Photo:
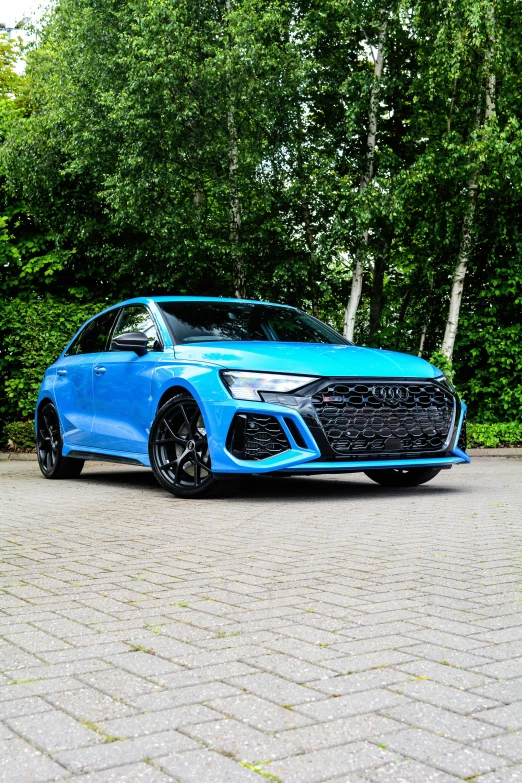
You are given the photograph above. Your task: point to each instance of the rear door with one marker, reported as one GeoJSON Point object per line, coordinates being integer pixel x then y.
{"type": "Point", "coordinates": [122, 387]}
{"type": "Point", "coordinates": [73, 387]}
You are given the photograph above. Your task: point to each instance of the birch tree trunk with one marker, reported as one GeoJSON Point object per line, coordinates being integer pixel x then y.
{"type": "Point", "coordinates": [313, 271]}
{"type": "Point", "coordinates": [366, 177]}
{"type": "Point", "coordinates": [238, 269]}
{"type": "Point", "coordinates": [376, 300]}
{"type": "Point", "coordinates": [423, 338]}
{"type": "Point", "coordinates": [459, 274]}
{"type": "Point", "coordinates": [466, 242]}
{"type": "Point", "coordinates": [424, 330]}
{"type": "Point", "coordinates": [313, 268]}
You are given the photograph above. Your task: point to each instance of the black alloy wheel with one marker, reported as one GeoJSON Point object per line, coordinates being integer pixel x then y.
{"type": "Point", "coordinates": [402, 477]}
{"type": "Point", "coordinates": [178, 450]}
{"type": "Point", "coordinates": [49, 447]}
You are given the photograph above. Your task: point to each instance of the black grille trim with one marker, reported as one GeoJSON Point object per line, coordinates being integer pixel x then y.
{"type": "Point", "coordinates": [384, 418]}
{"type": "Point", "coordinates": [254, 436]}
{"type": "Point", "coordinates": [463, 437]}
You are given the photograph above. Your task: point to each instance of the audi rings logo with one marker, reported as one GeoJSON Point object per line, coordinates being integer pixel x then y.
{"type": "Point", "coordinates": [391, 393]}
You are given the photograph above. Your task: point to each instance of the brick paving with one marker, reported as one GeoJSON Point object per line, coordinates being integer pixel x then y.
{"type": "Point", "coordinates": [306, 630]}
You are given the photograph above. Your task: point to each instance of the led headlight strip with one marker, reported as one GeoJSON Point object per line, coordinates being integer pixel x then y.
{"type": "Point", "coordinates": [247, 385]}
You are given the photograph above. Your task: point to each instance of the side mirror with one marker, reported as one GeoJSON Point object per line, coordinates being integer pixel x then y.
{"type": "Point", "coordinates": [131, 341]}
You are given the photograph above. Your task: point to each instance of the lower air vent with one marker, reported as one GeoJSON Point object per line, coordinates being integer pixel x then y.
{"type": "Point", "coordinates": [253, 436]}
{"type": "Point", "coordinates": [463, 440]}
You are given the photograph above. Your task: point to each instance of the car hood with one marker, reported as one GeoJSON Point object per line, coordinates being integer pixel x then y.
{"type": "Point", "coordinates": [307, 359]}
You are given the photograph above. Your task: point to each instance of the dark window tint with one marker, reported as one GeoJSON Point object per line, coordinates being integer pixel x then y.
{"type": "Point", "coordinates": [136, 318]}
{"type": "Point", "coordinates": [93, 339]}
{"type": "Point", "coordinates": [195, 322]}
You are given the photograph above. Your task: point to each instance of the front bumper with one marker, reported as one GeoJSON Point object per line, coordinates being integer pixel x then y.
{"type": "Point", "coordinates": [308, 456]}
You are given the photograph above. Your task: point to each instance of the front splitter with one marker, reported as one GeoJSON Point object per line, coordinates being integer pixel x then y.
{"type": "Point", "coordinates": [355, 467]}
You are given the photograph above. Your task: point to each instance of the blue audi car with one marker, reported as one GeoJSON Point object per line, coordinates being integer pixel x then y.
{"type": "Point", "coordinates": [205, 390]}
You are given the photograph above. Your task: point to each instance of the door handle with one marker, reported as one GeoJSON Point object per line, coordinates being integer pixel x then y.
{"type": "Point", "coordinates": [61, 372]}
{"type": "Point", "coordinates": [99, 370]}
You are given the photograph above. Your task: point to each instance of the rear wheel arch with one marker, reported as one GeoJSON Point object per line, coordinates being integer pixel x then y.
{"type": "Point", "coordinates": [49, 443]}
{"type": "Point", "coordinates": [44, 401]}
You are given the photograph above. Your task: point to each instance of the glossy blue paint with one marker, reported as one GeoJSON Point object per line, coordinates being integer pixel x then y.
{"type": "Point", "coordinates": [318, 359]}
{"type": "Point", "coordinates": [107, 401]}
{"type": "Point", "coordinates": [73, 392]}
{"type": "Point", "coordinates": [122, 400]}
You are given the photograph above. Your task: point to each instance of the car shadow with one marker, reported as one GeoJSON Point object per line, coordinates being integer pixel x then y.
{"type": "Point", "coordinates": [349, 486]}
{"type": "Point", "coordinates": [270, 488]}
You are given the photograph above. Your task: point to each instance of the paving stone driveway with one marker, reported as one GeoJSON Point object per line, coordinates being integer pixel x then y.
{"type": "Point", "coordinates": [308, 630]}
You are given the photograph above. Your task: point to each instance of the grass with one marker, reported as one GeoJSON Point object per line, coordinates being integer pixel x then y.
{"type": "Point", "coordinates": [260, 771]}
{"type": "Point", "coordinates": [22, 682]}
{"type": "Point", "coordinates": [106, 737]}
{"type": "Point", "coordinates": [140, 648]}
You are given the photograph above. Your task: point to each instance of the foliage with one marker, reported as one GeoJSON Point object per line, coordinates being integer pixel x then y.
{"type": "Point", "coordinates": [116, 172]}
{"type": "Point", "coordinates": [32, 335]}
{"type": "Point", "coordinates": [493, 435]}
{"type": "Point", "coordinates": [443, 363]}
{"type": "Point", "coordinates": [20, 435]}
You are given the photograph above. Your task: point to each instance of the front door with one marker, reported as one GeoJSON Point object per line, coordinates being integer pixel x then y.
{"type": "Point", "coordinates": [73, 388]}
{"type": "Point", "coordinates": [122, 387]}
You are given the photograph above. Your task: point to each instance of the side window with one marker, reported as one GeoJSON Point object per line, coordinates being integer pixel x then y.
{"type": "Point", "coordinates": [93, 339]}
{"type": "Point", "coordinates": [136, 318]}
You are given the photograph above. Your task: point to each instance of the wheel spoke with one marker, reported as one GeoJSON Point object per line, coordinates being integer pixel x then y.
{"type": "Point", "coordinates": [199, 461]}
{"type": "Point", "coordinates": [176, 438]}
{"type": "Point", "coordinates": [194, 421]}
{"type": "Point", "coordinates": [182, 408]}
{"type": "Point", "coordinates": [168, 465]}
{"type": "Point", "coordinates": [161, 441]}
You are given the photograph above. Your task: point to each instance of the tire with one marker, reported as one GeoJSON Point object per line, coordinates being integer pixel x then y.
{"type": "Point", "coordinates": [402, 477]}
{"type": "Point", "coordinates": [49, 445]}
{"type": "Point", "coordinates": [178, 451]}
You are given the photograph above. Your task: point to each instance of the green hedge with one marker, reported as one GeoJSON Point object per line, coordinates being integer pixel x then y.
{"type": "Point", "coordinates": [33, 333]}
{"type": "Point", "coordinates": [20, 435]}
{"type": "Point", "coordinates": [492, 435]}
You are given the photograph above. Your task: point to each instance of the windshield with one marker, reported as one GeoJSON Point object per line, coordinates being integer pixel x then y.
{"type": "Point", "coordinates": [197, 322]}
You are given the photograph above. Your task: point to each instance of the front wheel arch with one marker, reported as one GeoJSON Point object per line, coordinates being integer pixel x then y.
{"type": "Point", "coordinates": [168, 394]}
{"type": "Point", "coordinates": [177, 423]}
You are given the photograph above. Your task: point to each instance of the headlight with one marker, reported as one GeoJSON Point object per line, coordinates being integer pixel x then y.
{"type": "Point", "coordinates": [247, 385]}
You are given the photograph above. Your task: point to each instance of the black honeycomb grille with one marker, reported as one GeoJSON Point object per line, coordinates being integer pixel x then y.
{"type": "Point", "coordinates": [463, 440]}
{"type": "Point", "coordinates": [384, 417]}
{"type": "Point", "coordinates": [264, 437]}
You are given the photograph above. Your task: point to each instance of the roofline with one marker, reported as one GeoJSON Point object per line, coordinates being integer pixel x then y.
{"type": "Point", "coordinates": [159, 299]}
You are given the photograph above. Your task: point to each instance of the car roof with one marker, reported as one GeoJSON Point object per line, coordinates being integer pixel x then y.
{"type": "Point", "coordinates": [159, 299]}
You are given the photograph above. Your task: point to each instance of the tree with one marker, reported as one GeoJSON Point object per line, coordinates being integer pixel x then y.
{"type": "Point", "coordinates": [365, 179]}
{"type": "Point", "coordinates": [484, 119]}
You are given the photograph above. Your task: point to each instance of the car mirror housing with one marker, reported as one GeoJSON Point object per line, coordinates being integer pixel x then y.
{"type": "Point", "coordinates": [131, 341]}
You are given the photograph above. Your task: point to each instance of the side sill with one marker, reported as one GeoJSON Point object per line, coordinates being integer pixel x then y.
{"type": "Point", "coordinates": [74, 454]}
